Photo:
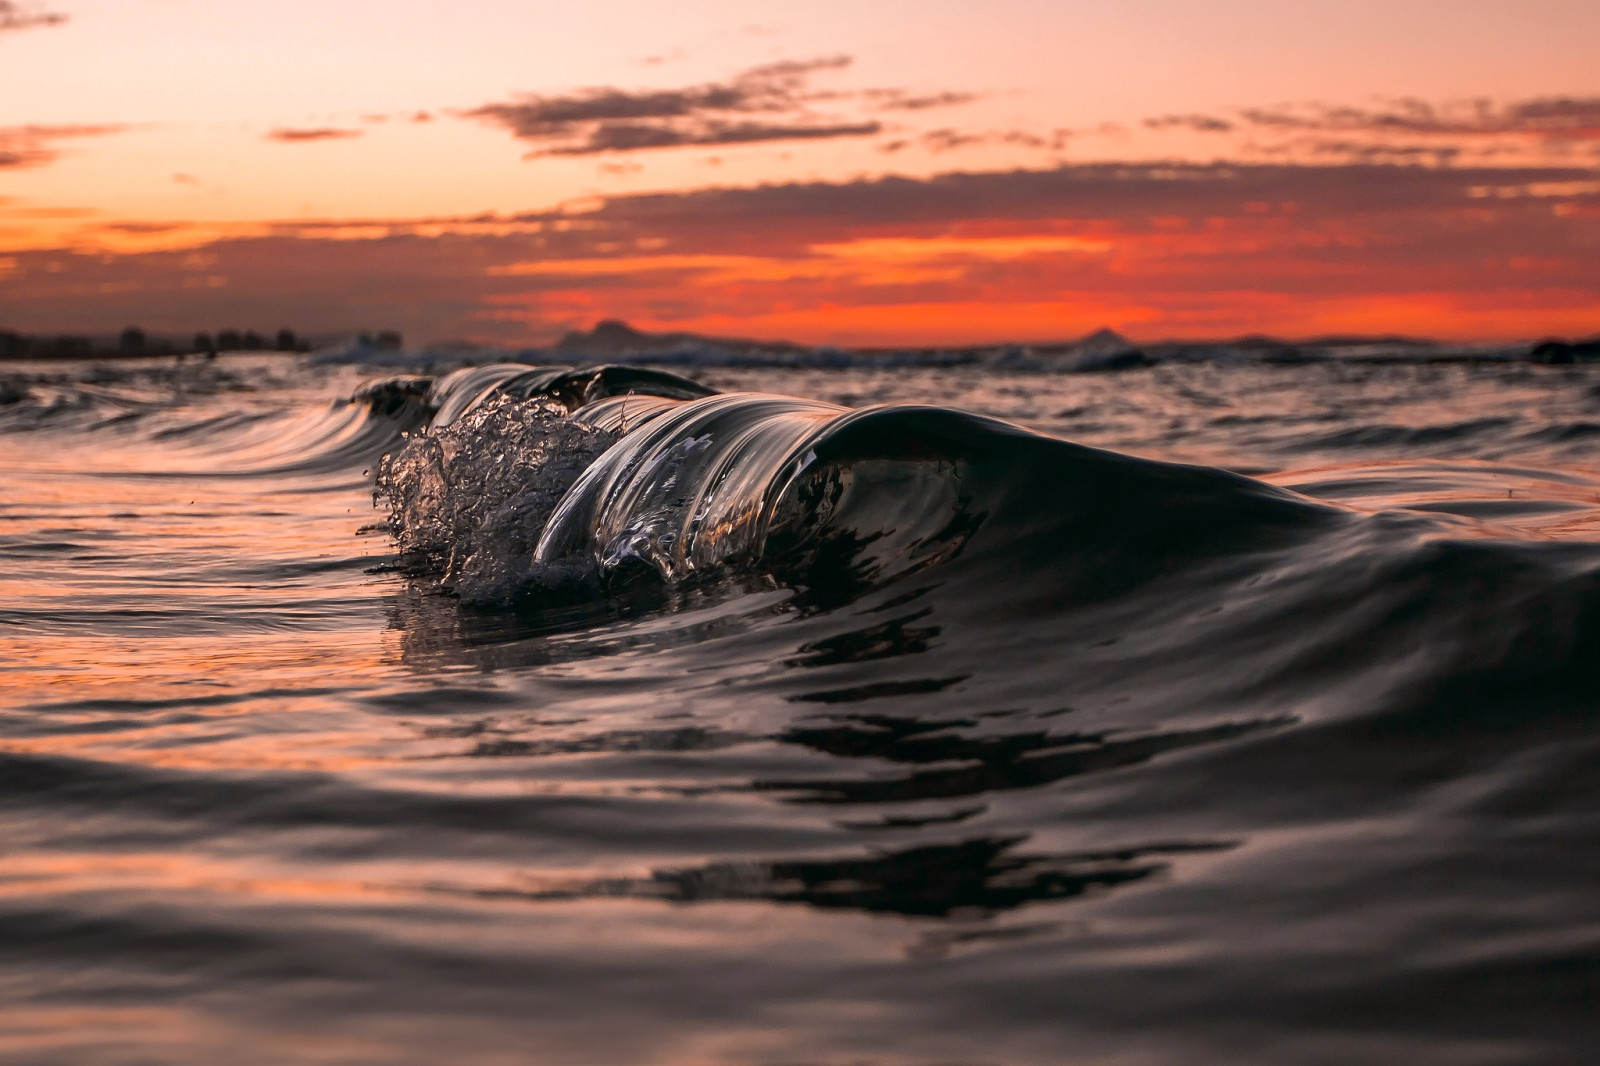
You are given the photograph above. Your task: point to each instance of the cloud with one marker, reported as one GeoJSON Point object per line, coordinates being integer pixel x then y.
{"type": "Point", "coordinates": [632, 137]}
{"type": "Point", "coordinates": [1154, 248]}
{"type": "Point", "coordinates": [945, 140]}
{"type": "Point", "coordinates": [289, 135]}
{"type": "Point", "coordinates": [1560, 118]}
{"type": "Point", "coordinates": [14, 16]}
{"type": "Point", "coordinates": [142, 228]}
{"type": "Point", "coordinates": [949, 139]}
{"type": "Point", "coordinates": [774, 87]}
{"type": "Point", "coordinates": [1351, 151]}
{"type": "Point", "coordinates": [1128, 195]}
{"type": "Point", "coordinates": [765, 103]}
{"type": "Point", "coordinates": [32, 146]}
{"type": "Point", "coordinates": [899, 100]}
{"type": "Point", "coordinates": [1198, 123]}
{"type": "Point", "coordinates": [1543, 129]}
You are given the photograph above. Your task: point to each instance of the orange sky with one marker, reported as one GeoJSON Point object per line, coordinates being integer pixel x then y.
{"type": "Point", "coordinates": [875, 173]}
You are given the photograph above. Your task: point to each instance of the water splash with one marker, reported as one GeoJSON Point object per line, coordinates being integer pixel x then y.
{"type": "Point", "coordinates": [469, 499]}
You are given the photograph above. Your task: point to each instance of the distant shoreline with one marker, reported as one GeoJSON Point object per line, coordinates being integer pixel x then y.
{"type": "Point", "coordinates": [616, 341]}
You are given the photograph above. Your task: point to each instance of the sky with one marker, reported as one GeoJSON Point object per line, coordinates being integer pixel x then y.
{"type": "Point", "coordinates": [863, 172]}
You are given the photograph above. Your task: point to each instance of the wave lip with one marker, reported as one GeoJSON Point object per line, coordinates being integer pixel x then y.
{"type": "Point", "coordinates": [460, 391]}
{"type": "Point", "coordinates": [688, 490]}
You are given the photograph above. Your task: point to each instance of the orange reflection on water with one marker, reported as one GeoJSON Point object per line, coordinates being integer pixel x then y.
{"type": "Point", "coordinates": [1474, 498]}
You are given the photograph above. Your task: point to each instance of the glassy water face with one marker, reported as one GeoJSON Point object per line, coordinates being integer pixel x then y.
{"type": "Point", "coordinates": [816, 734]}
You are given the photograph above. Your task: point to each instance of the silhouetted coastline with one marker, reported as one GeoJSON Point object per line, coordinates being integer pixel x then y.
{"type": "Point", "coordinates": [135, 342]}
{"type": "Point", "coordinates": [1103, 351]}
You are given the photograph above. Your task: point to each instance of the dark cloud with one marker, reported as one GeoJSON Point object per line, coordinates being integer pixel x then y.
{"type": "Point", "coordinates": [143, 228]}
{"type": "Point", "coordinates": [1439, 155]}
{"type": "Point", "coordinates": [13, 156]}
{"type": "Point", "coordinates": [794, 72]}
{"type": "Point", "coordinates": [1056, 141]}
{"type": "Point", "coordinates": [945, 140]}
{"type": "Point", "coordinates": [289, 135]}
{"type": "Point", "coordinates": [633, 136]}
{"type": "Point", "coordinates": [1089, 193]}
{"type": "Point", "coordinates": [899, 100]}
{"type": "Point", "coordinates": [14, 16]}
{"type": "Point", "coordinates": [775, 87]}
{"type": "Point", "coordinates": [948, 139]}
{"type": "Point", "coordinates": [1198, 123]}
{"type": "Point", "coordinates": [1553, 128]}
{"type": "Point", "coordinates": [766, 103]}
{"type": "Point", "coordinates": [541, 118]}
{"type": "Point", "coordinates": [1560, 118]}
{"type": "Point", "coordinates": [32, 146]}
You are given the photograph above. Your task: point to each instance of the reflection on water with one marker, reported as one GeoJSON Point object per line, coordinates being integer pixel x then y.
{"type": "Point", "coordinates": [884, 640]}
{"type": "Point", "coordinates": [973, 877]}
{"type": "Point", "coordinates": [960, 766]}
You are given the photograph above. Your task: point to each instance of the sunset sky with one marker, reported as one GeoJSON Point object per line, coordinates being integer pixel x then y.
{"type": "Point", "coordinates": [838, 172]}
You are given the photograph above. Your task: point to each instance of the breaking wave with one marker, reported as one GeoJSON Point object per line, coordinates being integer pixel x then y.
{"type": "Point", "coordinates": [530, 478]}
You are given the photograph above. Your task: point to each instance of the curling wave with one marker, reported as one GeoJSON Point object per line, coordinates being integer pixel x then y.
{"type": "Point", "coordinates": [536, 477]}
{"type": "Point", "coordinates": [542, 487]}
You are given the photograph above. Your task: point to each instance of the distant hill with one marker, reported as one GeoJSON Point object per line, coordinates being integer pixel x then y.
{"type": "Point", "coordinates": [613, 339]}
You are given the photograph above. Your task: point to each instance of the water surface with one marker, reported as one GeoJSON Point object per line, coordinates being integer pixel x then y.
{"type": "Point", "coordinates": [1194, 713]}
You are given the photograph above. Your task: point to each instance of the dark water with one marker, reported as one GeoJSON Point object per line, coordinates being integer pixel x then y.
{"type": "Point", "coordinates": [772, 726]}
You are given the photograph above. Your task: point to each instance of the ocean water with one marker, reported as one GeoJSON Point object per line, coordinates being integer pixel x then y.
{"type": "Point", "coordinates": [1202, 712]}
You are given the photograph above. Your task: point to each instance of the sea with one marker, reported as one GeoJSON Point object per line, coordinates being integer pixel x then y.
{"type": "Point", "coordinates": [398, 707]}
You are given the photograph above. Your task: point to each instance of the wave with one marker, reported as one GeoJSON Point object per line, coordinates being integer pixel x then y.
{"type": "Point", "coordinates": [545, 477]}
{"type": "Point", "coordinates": [542, 496]}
